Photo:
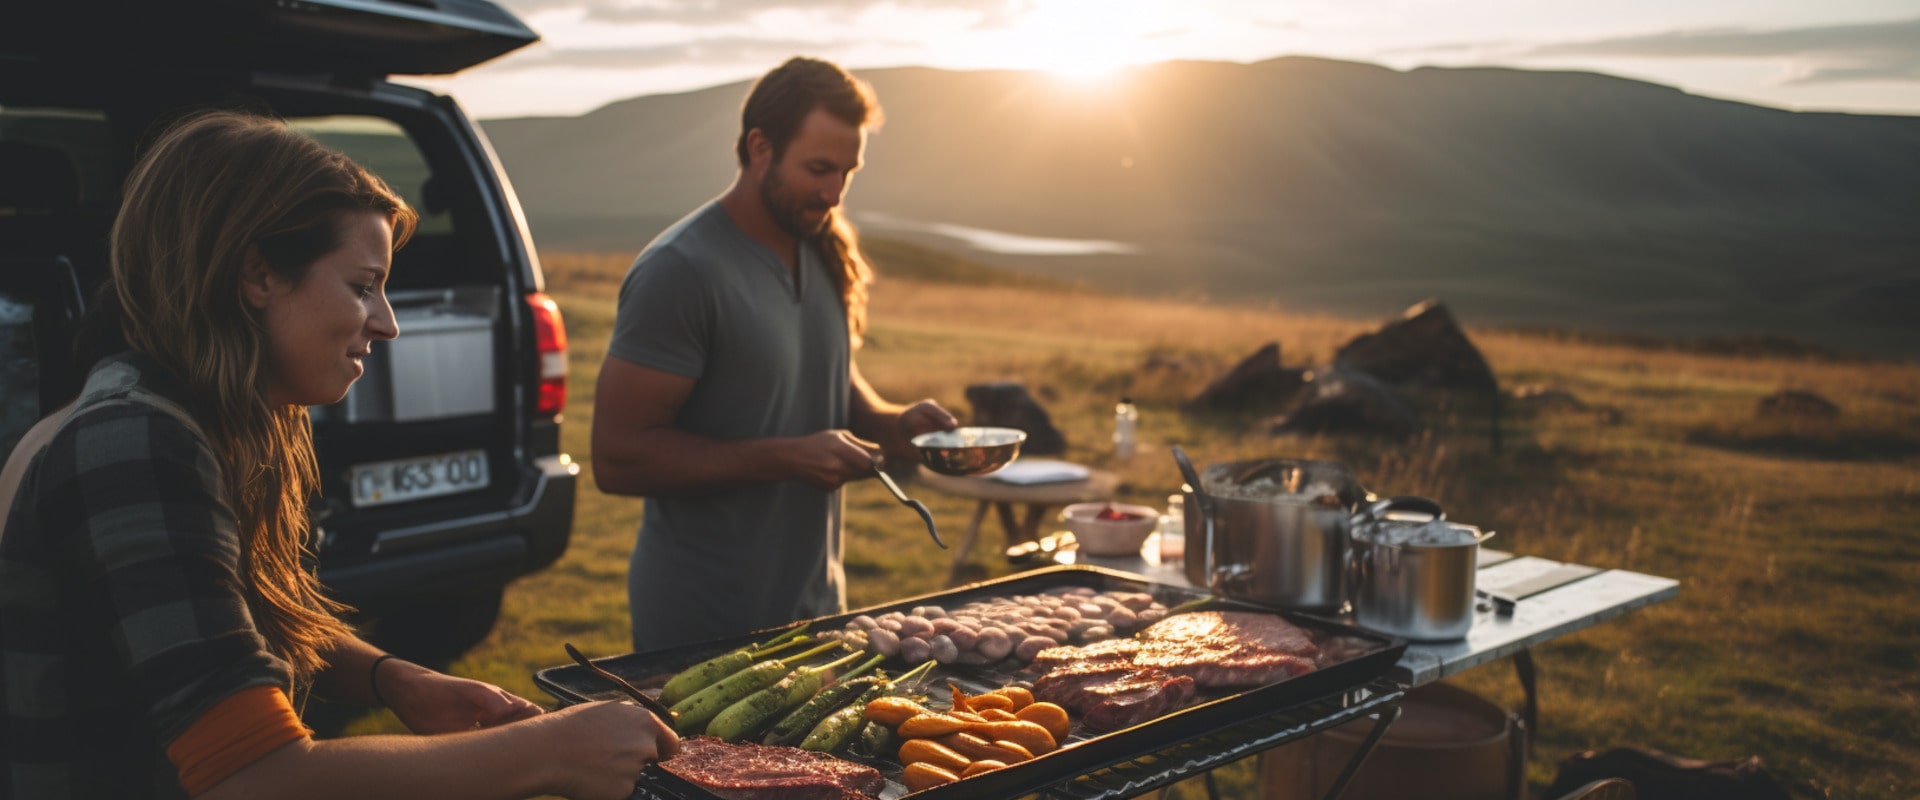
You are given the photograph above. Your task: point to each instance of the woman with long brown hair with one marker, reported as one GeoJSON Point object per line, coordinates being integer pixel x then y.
{"type": "Point", "coordinates": [157, 623]}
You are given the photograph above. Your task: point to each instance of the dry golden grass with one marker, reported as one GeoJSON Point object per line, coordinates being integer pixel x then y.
{"type": "Point", "coordinates": [1796, 631]}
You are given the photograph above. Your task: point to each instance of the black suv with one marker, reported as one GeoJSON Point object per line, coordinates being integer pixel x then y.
{"type": "Point", "coordinates": [442, 474]}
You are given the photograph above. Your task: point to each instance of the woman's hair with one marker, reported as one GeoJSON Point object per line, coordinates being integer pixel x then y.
{"type": "Point", "coordinates": [211, 189]}
{"type": "Point", "coordinates": [777, 105]}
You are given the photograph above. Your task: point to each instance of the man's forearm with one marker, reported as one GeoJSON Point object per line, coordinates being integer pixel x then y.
{"type": "Point", "coordinates": [880, 425]}
{"type": "Point", "coordinates": [871, 417]}
{"type": "Point", "coordinates": [667, 460]}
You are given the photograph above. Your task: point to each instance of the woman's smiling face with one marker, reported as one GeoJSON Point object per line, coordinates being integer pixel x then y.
{"type": "Point", "coordinates": [319, 328]}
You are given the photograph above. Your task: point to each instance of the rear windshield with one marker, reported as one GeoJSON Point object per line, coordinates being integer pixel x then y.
{"type": "Point", "coordinates": [61, 173]}
{"type": "Point", "coordinates": [63, 169]}
{"type": "Point", "coordinates": [56, 162]}
{"type": "Point", "coordinates": [383, 147]}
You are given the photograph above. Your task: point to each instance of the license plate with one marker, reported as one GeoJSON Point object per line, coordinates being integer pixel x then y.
{"type": "Point", "coordinates": [416, 478]}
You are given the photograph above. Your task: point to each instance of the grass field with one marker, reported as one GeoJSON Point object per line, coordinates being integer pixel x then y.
{"type": "Point", "coordinates": [1796, 632]}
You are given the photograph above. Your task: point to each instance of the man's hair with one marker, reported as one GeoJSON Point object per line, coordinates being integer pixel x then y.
{"type": "Point", "coordinates": [783, 98]}
{"type": "Point", "coordinates": [210, 189]}
{"type": "Point", "coordinates": [778, 103]}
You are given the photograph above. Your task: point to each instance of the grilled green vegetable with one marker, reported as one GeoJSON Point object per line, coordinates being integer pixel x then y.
{"type": "Point", "coordinates": [712, 670]}
{"type": "Point", "coordinates": [765, 705]}
{"type": "Point", "coordinates": [841, 726]}
{"type": "Point", "coordinates": [704, 674]}
{"type": "Point", "coordinates": [695, 712]}
{"type": "Point", "coordinates": [794, 729]}
{"type": "Point", "coordinates": [795, 726]}
{"type": "Point", "coordinates": [880, 741]}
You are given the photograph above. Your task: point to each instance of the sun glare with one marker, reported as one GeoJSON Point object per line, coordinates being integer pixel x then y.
{"type": "Point", "coordinates": [1085, 40]}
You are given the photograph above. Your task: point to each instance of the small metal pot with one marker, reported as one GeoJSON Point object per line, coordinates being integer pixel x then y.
{"type": "Point", "coordinates": [1421, 591]}
{"type": "Point", "coordinates": [1273, 541]}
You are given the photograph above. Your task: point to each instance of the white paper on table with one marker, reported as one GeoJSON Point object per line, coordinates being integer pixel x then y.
{"type": "Point", "coordinates": [1029, 471]}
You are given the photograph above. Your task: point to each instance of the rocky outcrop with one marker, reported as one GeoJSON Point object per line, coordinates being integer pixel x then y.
{"type": "Point", "coordinates": [1258, 382]}
{"type": "Point", "coordinates": [1424, 348]}
{"type": "Point", "coordinates": [1349, 402]}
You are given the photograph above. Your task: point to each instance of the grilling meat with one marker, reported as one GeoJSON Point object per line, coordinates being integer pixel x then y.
{"type": "Point", "coordinates": [762, 772]}
{"type": "Point", "coordinates": [1111, 695]}
{"type": "Point", "coordinates": [1109, 650]}
{"type": "Point", "coordinates": [1122, 682]}
{"type": "Point", "coordinates": [1227, 649]}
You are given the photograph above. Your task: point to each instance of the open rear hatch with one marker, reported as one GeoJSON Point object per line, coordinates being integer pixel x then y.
{"type": "Point", "coordinates": [358, 37]}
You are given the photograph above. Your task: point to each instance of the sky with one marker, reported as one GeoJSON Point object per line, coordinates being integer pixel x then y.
{"type": "Point", "coordinates": [1826, 55]}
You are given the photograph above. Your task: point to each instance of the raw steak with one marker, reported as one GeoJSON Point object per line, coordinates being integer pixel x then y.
{"type": "Point", "coordinates": [762, 772]}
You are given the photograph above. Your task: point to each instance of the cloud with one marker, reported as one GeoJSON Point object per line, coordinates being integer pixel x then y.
{"type": "Point", "coordinates": [1490, 46]}
{"type": "Point", "coordinates": [704, 13]}
{"type": "Point", "coordinates": [526, 8]}
{"type": "Point", "coordinates": [1822, 54]}
{"type": "Point", "coordinates": [722, 51]}
{"type": "Point", "coordinates": [1894, 72]}
{"type": "Point", "coordinates": [727, 33]}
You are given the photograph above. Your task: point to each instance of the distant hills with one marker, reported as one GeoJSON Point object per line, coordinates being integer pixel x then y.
{"type": "Point", "coordinates": [1521, 198]}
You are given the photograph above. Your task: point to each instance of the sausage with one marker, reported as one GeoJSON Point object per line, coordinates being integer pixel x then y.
{"type": "Point", "coordinates": [1032, 646]}
{"type": "Point", "coordinates": [943, 649]}
{"type": "Point", "coordinates": [915, 651]}
{"type": "Point", "coordinates": [993, 643]}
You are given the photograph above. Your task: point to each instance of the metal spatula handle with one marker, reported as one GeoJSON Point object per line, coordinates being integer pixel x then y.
{"type": "Point", "coordinates": [916, 505]}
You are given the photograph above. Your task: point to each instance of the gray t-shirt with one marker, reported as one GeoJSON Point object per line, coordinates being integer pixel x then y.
{"type": "Point", "coordinates": [769, 358]}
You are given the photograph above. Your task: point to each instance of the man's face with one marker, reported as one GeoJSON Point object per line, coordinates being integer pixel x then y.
{"type": "Point", "coordinates": [808, 181]}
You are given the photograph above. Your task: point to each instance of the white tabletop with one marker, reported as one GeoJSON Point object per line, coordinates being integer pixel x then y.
{"type": "Point", "coordinates": [1536, 619]}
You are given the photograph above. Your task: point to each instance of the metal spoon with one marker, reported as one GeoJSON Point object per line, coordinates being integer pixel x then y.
{"type": "Point", "coordinates": [659, 709]}
{"type": "Point", "coordinates": [908, 502]}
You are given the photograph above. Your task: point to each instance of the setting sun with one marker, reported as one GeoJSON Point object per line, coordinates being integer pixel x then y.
{"type": "Point", "coordinates": [1089, 39]}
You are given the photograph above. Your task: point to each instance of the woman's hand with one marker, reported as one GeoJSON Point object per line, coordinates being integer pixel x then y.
{"type": "Point", "coordinates": [429, 702]}
{"type": "Point", "coordinates": [603, 747]}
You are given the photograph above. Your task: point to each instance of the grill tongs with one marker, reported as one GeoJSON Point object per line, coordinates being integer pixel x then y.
{"type": "Point", "coordinates": [658, 708]}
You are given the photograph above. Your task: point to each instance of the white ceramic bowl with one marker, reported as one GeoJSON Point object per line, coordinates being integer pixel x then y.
{"type": "Point", "coordinates": [1110, 537]}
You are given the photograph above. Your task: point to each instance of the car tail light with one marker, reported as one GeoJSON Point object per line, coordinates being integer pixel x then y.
{"type": "Point", "coordinates": [550, 336]}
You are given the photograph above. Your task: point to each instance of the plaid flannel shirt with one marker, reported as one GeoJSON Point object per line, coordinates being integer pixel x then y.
{"type": "Point", "coordinates": [123, 614]}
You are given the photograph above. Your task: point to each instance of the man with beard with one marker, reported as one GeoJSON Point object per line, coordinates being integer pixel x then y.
{"type": "Point", "coordinates": [729, 396]}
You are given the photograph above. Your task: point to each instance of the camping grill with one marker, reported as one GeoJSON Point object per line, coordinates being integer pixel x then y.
{"type": "Point", "coordinates": [1183, 743]}
{"type": "Point", "coordinates": [1134, 777]}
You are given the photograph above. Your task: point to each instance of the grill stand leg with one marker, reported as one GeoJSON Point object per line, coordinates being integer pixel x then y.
{"type": "Point", "coordinates": [1529, 723]}
{"type": "Point", "coordinates": [1382, 721]}
{"type": "Point", "coordinates": [1213, 792]}
{"type": "Point", "coordinates": [1530, 713]}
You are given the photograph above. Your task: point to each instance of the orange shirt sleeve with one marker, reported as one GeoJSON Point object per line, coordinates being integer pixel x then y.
{"type": "Point", "coordinates": [236, 732]}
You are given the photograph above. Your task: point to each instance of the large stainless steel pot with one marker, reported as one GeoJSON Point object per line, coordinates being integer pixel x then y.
{"type": "Point", "coordinates": [1413, 570]}
{"type": "Point", "coordinates": [1279, 532]}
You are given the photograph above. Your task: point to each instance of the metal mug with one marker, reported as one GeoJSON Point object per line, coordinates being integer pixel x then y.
{"type": "Point", "coordinates": [1423, 592]}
